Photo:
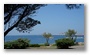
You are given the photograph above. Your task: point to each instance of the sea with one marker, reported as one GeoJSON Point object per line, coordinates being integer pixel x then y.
{"type": "Point", "coordinates": [39, 39]}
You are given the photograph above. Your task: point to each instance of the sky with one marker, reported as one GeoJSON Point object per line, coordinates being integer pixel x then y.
{"type": "Point", "coordinates": [56, 19]}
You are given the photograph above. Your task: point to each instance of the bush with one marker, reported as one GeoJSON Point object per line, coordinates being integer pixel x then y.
{"type": "Point", "coordinates": [64, 43]}
{"type": "Point", "coordinates": [17, 44]}
{"type": "Point", "coordinates": [34, 45]}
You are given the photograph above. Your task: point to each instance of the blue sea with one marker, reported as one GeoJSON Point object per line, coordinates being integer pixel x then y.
{"type": "Point", "coordinates": [39, 39]}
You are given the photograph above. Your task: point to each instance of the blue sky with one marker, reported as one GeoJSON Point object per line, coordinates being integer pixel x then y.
{"type": "Point", "coordinates": [56, 19]}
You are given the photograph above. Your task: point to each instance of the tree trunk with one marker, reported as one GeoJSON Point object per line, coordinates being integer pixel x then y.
{"type": "Point", "coordinates": [47, 41]}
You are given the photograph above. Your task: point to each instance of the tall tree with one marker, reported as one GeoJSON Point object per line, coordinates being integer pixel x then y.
{"type": "Point", "coordinates": [19, 16]}
{"type": "Point", "coordinates": [47, 36]}
{"type": "Point", "coordinates": [71, 34]}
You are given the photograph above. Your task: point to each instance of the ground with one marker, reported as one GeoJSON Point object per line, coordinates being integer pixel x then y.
{"type": "Point", "coordinates": [80, 47]}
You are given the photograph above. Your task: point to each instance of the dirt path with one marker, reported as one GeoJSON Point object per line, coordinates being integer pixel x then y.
{"type": "Point", "coordinates": [54, 47]}
{"type": "Point", "coordinates": [78, 47]}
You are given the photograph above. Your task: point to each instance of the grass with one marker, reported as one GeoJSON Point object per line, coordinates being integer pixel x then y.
{"type": "Point", "coordinates": [53, 46]}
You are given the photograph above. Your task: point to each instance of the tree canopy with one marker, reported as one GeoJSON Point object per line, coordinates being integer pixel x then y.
{"type": "Point", "coordinates": [73, 6]}
{"type": "Point", "coordinates": [47, 36]}
{"type": "Point", "coordinates": [71, 34]}
{"type": "Point", "coordinates": [19, 16]}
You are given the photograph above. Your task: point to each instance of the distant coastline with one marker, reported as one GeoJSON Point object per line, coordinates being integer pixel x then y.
{"type": "Point", "coordinates": [39, 34]}
{"type": "Point", "coordinates": [37, 39]}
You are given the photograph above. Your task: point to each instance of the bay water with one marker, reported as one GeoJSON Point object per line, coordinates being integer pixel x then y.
{"type": "Point", "coordinates": [39, 39]}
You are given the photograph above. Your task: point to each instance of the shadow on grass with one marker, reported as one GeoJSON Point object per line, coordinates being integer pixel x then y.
{"type": "Point", "coordinates": [65, 48]}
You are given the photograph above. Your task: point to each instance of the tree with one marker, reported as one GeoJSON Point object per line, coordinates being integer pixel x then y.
{"type": "Point", "coordinates": [47, 36]}
{"type": "Point", "coordinates": [71, 34]}
{"type": "Point", "coordinates": [16, 16]}
{"type": "Point", "coordinates": [19, 16]}
{"type": "Point", "coordinates": [72, 6]}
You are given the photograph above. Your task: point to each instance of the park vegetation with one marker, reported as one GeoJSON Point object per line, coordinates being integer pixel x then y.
{"type": "Point", "coordinates": [18, 16]}
{"type": "Point", "coordinates": [47, 37]}
{"type": "Point", "coordinates": [20, 43]}
{"type": "Point", "coordinates": [71, 34]}
{"type": "Point", "coordinates": [64, 43]}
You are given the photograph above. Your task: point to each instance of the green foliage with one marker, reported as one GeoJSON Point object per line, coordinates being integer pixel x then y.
{"type": "Point", "coordinates": [46, 44]}
{"type": "Point", "coordinates": [26, 25]}
{"type": "Point", "coordinates": [17, 44]}
{"type": "Point", "coordinates": [21, 13]}
{"type": "Point", "coordinates": [71, 34]}
{"type": "Point", "coordinates": [64, 43]}
{"type": "Point", "coordinates": [73, 6]}
{"type": "Point", "coordinates": [34, 45]}
{"type": "Point", "coordinates": [47, 36]}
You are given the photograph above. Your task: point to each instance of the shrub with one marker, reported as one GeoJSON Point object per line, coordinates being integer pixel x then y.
{"type": "Point", "coordinates": [8, 45]}
{"type": "Point", "coordinates": [34, 45]}
{"type": "Point", "coordinates": [17, 44]}
{"type": "Point", "coordinates": [64, 43]}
